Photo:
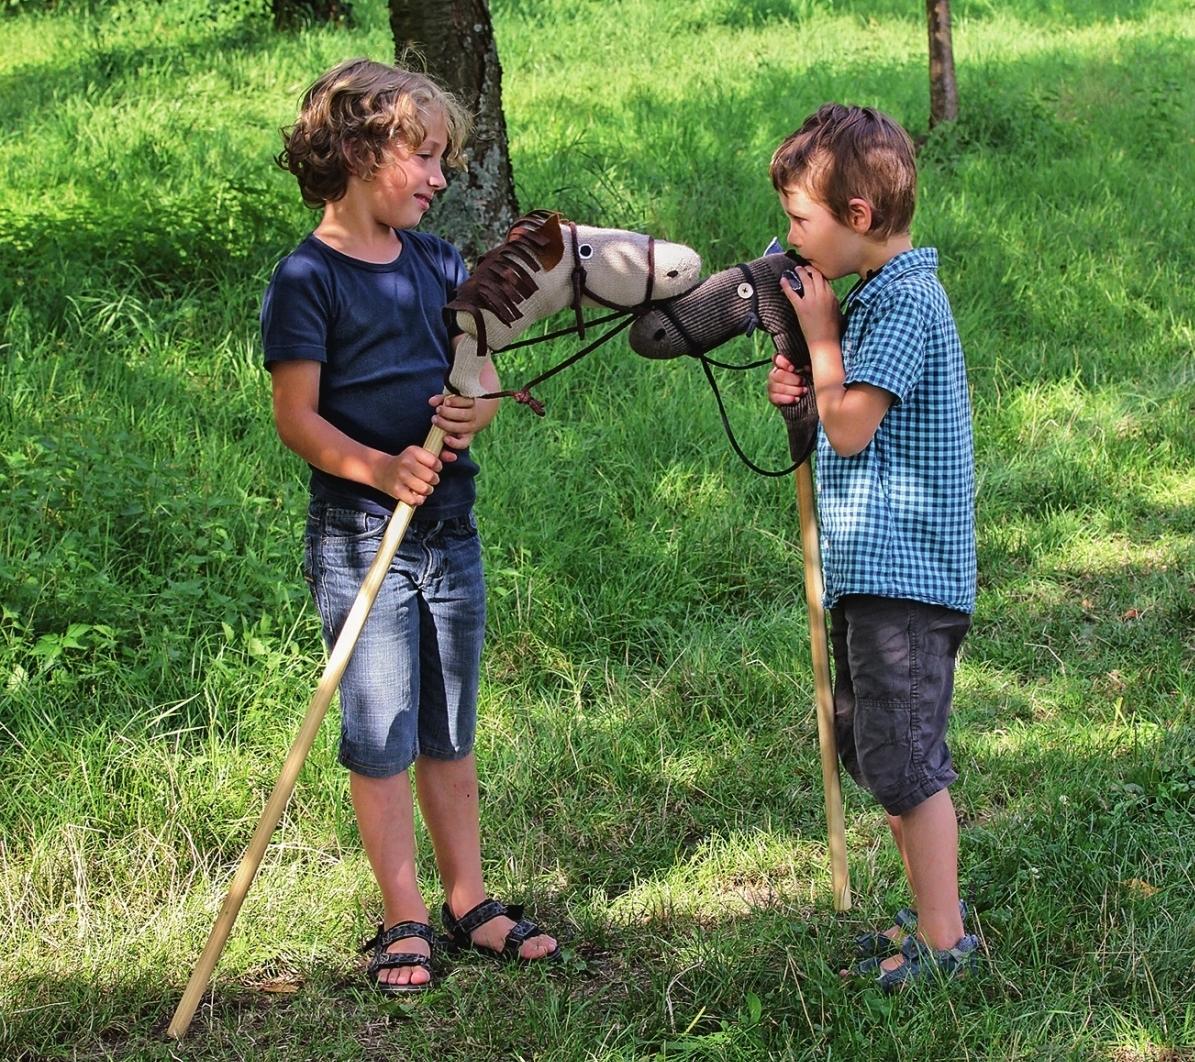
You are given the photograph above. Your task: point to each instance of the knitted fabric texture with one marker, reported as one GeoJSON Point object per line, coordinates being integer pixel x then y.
{"type": "Point", "coordinates": [732, 303]}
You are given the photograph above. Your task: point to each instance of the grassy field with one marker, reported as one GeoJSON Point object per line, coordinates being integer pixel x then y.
{"type": "Point", "coordinates": [648, 747]}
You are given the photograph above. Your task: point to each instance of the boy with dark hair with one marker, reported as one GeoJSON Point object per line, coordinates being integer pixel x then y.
{"type": "Point", "coordinates": [896, 485]}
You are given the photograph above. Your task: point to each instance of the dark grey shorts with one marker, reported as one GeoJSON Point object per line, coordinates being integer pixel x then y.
{"type": "Point", "coordinates": [893, 682]}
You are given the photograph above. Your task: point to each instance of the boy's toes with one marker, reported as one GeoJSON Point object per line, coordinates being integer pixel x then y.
{"type": "Point", "coordinates": [537, 947]}
{"type": "Point", "coordinates": [410, 975]}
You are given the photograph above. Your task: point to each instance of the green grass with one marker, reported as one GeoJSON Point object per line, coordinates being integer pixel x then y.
{"type": "Point", "coordinates": [648, 748]}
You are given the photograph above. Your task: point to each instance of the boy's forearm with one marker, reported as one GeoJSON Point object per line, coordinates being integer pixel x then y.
{"type": "Point", "coordinates": [825, 358]}
{"type": "Point", "coordinates": [324, 446]}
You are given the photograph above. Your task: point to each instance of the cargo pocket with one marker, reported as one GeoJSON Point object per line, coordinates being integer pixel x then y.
{"type": "Point", "coordinates": [884, 746]}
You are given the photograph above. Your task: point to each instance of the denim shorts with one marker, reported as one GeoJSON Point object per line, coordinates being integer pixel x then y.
{"type": "Point", "coordinates": [893, 683]}
{"type": "Point", "coordinates": [410, 687]}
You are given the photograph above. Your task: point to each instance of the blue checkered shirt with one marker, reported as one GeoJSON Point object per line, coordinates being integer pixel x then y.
{"type": "Point", "coordinates": [898, 518]}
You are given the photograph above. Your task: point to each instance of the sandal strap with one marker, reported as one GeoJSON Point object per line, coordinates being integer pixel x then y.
{"type": "Point", "coordinates": [483, 912]}
{"type": "Point", "coordinates": [914, 950]}
{"type": "Point", "coordinates": [523, 930]}
{"type": "Point", "coordinates": [385, 960]}
{"type": "Point", "coordinates": [947, 959]}
{"type": "Point", "coordinates": [383, 938]}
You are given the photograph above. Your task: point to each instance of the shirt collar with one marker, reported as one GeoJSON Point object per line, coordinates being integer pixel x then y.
{"type": "Point", "coordinates": [917, 260]}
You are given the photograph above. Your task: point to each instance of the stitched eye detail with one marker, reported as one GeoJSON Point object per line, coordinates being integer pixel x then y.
{"type": "Point", "coordinates": [584, 251]}
{"type": "Point", "coordinates": [746, 290]}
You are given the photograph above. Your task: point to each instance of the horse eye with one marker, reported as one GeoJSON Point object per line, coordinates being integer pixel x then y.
{"type": "Point", "coordinates": [746, 290]}
{"type": "Point", "coordinates": [585, 251]}
{"type": "Point", "coordinates": [672, 273]}
{"type": "Point", "coordinates": [659, 334]}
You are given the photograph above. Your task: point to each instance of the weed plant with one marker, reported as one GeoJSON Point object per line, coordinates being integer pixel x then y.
{"type": "Point", "coordinates": [648, 747]}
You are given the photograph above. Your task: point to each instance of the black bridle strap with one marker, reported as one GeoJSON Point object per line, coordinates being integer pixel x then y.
{"type": "Point", "coordinates": [734, 443]}
{"type": "Point", "coordinates": [570, 331]}
{"type": "Point", "coordinates": [524, 396]}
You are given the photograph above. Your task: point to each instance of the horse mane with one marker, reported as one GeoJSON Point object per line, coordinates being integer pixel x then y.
{"type": "Point", "coordinates": [503, 276]}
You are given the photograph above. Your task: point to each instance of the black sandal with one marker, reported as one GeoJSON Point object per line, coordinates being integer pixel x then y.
{"type": "Point", "coordinates": [460, 930]}
{"type": "Point", "coordinates": [384, 960]}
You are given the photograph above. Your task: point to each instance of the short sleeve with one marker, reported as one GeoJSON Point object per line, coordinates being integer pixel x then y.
{"type": "Point", "coordinates": [295, 312]}
{"type": "Point", "coordinates": [890, 351]}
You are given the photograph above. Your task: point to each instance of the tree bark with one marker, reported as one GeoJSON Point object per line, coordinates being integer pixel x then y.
{"type": "Point", "coordinates": [456, 38]}
{"type": "Point", "coordinates": [943, 89]}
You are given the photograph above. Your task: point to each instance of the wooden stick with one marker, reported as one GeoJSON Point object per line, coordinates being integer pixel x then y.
{"type": "Point", "coordinates": [819, 650]}
{"type": "Point", "coordinates": [318, 706]}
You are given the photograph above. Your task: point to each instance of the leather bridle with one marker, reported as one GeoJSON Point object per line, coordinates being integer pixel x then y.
{"type": "Point", "coordinates": [578, 281]}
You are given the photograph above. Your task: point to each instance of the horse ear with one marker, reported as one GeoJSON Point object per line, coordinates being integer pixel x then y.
{"type": "Point", "coordinates": [541, 230]}
{"type": "Point", "coordinates": [554, 242]}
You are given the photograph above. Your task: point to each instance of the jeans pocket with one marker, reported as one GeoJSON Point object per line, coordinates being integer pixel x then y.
{"type": "Point", "coordinates": [350, 525]}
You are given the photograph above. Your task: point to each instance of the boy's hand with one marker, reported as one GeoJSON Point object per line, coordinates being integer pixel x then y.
{"type": "Point", "coordinates": [412, 475]}
{"type": "Point", "coordinates": [815, 304]}
{"type": "Point", "coordinates": [785, 384]}
{"type": "Point", "coordinates": [459, 418]}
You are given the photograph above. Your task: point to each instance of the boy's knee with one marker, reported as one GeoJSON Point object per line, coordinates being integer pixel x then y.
{"type": "Point", "coordinates": [894, 761]}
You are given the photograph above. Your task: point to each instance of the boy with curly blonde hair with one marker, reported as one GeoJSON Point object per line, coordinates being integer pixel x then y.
{"type": "Point", "coordinates": [358, 350]}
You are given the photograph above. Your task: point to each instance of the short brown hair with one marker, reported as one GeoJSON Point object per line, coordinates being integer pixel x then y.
{"type": "Point", "coordinates": [353, 113]}
{"type": "Point", "coordinates": [843, 153]}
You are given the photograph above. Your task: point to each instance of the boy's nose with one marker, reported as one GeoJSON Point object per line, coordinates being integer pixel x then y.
{"type": "Point", "coordinates": [436, 178]}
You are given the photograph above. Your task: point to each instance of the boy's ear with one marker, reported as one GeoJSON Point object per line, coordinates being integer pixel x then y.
{"type": "Point", "coordinates": [859, 215]}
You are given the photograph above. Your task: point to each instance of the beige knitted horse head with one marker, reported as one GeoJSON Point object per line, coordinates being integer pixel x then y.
{"type": "Point", "coordinates": [548, 263]}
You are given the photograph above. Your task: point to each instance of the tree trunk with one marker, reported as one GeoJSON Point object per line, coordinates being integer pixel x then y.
{"type": "Point", "coordinates": [943, 89]}
{"type": "Point", "coordinates": [456, 38]}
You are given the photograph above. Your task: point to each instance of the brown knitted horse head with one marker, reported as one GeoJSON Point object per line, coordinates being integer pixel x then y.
{"type": "Point", "coordinates": [732, 303]}
{"type": "Point", "coordinates": [548, 263]}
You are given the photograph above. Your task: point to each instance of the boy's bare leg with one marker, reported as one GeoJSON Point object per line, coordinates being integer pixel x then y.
{"type": "Point", "coordinates": [448, 798]}
{"type": "Point", "coordinates": [929, 833]}
{"type": "Point", "coordinates": [385, 818]}
{"type": "Point", "coordinates": [894, 932]}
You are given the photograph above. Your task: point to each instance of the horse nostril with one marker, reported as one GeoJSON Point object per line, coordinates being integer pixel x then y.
{"type": "Point", "coordinates": [673, 273]}
{"type": "Point", "coordinates": [659, 335]}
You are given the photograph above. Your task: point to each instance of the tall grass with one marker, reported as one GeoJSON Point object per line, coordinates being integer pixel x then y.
{"type": "Point", "coordinates": [647, 747]}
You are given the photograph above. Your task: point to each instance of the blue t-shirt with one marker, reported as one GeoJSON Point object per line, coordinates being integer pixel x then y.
{"type": "Point", "coordinates": [898, 518]}
{"type": "Point", "coordinates": [379, 332]}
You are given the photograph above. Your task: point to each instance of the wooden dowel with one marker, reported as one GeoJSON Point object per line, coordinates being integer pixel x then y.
{"type": "Point", "coordinates": [820, 652]}
{"type": "Point", "coordinates": [338, 660]}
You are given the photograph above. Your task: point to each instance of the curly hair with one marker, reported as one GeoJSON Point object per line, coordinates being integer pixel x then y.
{"type": "Point", "coordinates": [353, 114]}
{"type": "Point", "coordinates": [841, 153]}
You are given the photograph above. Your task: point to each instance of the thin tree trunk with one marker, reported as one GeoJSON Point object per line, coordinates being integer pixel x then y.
{"type": "Point", "coordinates": [456, 38]}
{"type": "Point", "coordinates": [943, 89]}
